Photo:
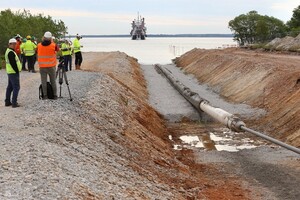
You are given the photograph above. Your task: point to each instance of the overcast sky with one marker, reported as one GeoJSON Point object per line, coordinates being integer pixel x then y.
{"type": "Point", "coordinates": [161, 16]}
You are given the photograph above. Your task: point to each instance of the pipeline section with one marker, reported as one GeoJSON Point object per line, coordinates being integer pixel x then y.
{"type": "Point", "coordinates": [233, 122]}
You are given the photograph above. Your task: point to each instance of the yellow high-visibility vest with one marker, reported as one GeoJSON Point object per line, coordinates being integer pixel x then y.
{"type": "Point", "coordinates": [76, 45]}
{"type": "Point", "coordinates": [29, 48]}
{"type": "Point", "coordinates": [65, 49]}
{"type": "Point", "coordinates": [9, 68]}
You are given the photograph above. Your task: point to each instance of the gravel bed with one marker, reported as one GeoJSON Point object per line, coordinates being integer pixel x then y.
{"type": "Point", "coordinates": [64, 149]}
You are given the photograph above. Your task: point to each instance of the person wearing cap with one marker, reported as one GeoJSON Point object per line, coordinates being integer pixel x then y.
{"type": "Point", "coordinates": [13, 69]}
{"type": "Point", "coordinates": [46, 51]}
{"type": "Point", "coordinates": [77, 51]}
{"type": "Point", "coordinates": [29, 49]}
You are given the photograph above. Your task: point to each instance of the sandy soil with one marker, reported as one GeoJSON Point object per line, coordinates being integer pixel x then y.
{"type": "Point", "coordinates": [267, 80]}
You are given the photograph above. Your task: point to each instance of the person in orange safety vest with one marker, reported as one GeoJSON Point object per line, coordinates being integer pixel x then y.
{"type": "Point", "coordinates": [47, 61]}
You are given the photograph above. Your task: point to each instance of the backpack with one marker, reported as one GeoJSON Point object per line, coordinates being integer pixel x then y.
{"type": "Point", "coordinates": [50, 93]}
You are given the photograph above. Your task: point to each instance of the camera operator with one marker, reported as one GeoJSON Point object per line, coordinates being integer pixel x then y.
{"type": "Point", "coordinates": [47, 62]}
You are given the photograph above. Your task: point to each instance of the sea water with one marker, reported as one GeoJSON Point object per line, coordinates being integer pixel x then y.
{"type": "Point", "coordinates": [154, 50]}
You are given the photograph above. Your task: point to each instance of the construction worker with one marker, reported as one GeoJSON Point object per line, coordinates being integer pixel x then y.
{"type": "Point", "coordinates": [66, 51]}
{"type": "Point", "coordinates": [77, 51]}
{"type": "Point", "coordinates": [29, 51]}
{"type": "Point", "coordinates": [33, 39]}
{"type": "Point", "coordinates": [46, 51]}
{"type": "Point", "coordinates": [13, 67]}
{"type": "Point", "coordinates": [23, 57]}
{"type": "Point", "coordinates": [18, 45]}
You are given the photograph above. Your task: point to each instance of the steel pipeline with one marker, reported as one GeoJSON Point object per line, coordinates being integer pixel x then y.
{"type": "Point", "coordinates": [202, 105]}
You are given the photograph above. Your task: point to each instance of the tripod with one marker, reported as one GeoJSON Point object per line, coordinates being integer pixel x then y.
{"type": "Point", "coordinates": [61, 74]}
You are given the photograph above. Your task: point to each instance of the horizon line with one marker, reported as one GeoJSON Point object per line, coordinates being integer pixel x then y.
{"type": "Point", "coordinates": [159, 35]}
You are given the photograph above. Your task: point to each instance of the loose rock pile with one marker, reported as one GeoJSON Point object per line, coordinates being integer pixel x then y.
{"type": "Point", "coordinates": [285, 44]}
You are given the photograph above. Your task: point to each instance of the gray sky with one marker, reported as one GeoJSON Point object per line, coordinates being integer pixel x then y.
{"type": "Point", "coordinates": [161, 16]}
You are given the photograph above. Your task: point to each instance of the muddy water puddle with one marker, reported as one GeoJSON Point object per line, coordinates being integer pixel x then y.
{"type": "Point", "coordinates": [209, 139]}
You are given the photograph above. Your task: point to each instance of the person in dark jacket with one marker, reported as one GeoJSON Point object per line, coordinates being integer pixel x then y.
{"type": "Point", "coordinates": [13, 67]}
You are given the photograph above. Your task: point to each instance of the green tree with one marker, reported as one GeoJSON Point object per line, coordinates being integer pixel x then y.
{"type": "Point", "coordinates": [294, 23]}
{"type": "Point", "coordinates": [24, 23]}
{"type": "Point", "coordinates": [254, 28]}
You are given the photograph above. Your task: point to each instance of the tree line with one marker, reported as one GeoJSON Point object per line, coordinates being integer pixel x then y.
{"type": "Point", "coordinates": [253, 28]}
{"type": "Point", "coordinates": [25, 23]}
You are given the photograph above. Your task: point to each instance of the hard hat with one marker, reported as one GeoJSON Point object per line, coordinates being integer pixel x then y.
{"type": "Point", "coordinates": [28, 37]}
{"type": "Point", "coordinates": [48, 35]}
{"type": "Point", "coordinates": [12, 40]}
{"type": "Point", "coordinates": [32, 38]}
{"type": "Point", "coordinates": [24, 40]}
{"type": "Point", "coordinates": [18, 36]}
{"type": "Point", "coordinates": [78, 36]}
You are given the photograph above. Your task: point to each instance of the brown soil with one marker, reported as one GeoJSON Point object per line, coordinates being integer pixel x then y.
{"type": "Point", "coordinates": [146, 136]}
{"type": "Point", "coordinates": [261, 79]}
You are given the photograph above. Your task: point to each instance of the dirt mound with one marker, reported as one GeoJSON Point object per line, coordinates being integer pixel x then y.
{"type": "Point", "coordinates": [265, 80]}
{"type": "Point", "coordinates": [285, 44]}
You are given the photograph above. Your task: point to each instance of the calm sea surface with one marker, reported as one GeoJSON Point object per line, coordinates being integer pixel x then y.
{"type": "Point", "coordinates": [153, 50]}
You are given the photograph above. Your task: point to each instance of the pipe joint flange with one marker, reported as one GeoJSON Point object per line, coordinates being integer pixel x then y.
{"type": "Point", "coordinates": [236, 124]}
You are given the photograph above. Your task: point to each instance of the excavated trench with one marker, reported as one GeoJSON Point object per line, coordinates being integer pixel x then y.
{"type": "Point", "coordinates": [264, 170]}
{"type": "Point", "coordinates": [178, 111]}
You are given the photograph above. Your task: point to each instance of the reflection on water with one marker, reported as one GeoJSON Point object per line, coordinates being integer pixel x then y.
{"type": "Point", "coordinates": [221, 140]}
{"type": "Point", "coordinates": [192, 141]}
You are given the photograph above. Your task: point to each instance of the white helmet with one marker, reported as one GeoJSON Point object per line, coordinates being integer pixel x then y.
{"type": "Point", "coordinates": [12, 40]}
{"type": "Point", "coordinates": [48, 35]}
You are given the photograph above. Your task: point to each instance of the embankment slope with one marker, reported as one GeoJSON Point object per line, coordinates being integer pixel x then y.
{"type": "Point", "coordinates": [260, 79]}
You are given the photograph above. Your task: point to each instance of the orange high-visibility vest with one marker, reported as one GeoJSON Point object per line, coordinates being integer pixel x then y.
{"type": "Point", "coordinates": [47, 55]}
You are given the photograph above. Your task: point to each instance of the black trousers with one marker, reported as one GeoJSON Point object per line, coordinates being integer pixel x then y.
{"type": "Point", "coordinates": [23, 62]}
{"type": "Point", "coordinates": [30, 61]}
{"type": "Point", "coordinates": [78, 58]}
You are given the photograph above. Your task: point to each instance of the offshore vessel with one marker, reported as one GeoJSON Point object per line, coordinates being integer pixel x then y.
{"type": "Point", "coordinates": [138, 31]}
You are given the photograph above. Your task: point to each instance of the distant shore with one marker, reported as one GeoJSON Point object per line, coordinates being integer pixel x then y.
{"type": "Point", "coordinates": [158, 35]}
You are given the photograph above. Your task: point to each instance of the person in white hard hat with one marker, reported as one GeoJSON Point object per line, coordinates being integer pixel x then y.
{"type": "Point", "coordinates": [46, 51]}
{"type": "Point", "coordinates": [13, 67]}
{"type": "Point", "coordinates": [77, 51]}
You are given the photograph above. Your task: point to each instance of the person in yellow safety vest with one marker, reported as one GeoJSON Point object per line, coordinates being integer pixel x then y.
{"type": "Point", "coordinates": [23, 58]}
{"type": "Point", "coordinates": [13, 67]}
{"type": "Point", "coordinates": [29, 51]}
{"type": "Point", "coordinates": [67, 54]}
{"type": "Point", "coordinates": [77, 51]}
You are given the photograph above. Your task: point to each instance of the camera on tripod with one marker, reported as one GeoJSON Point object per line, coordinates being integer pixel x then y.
{"type": "Point", "coordinates": [62, 75]}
